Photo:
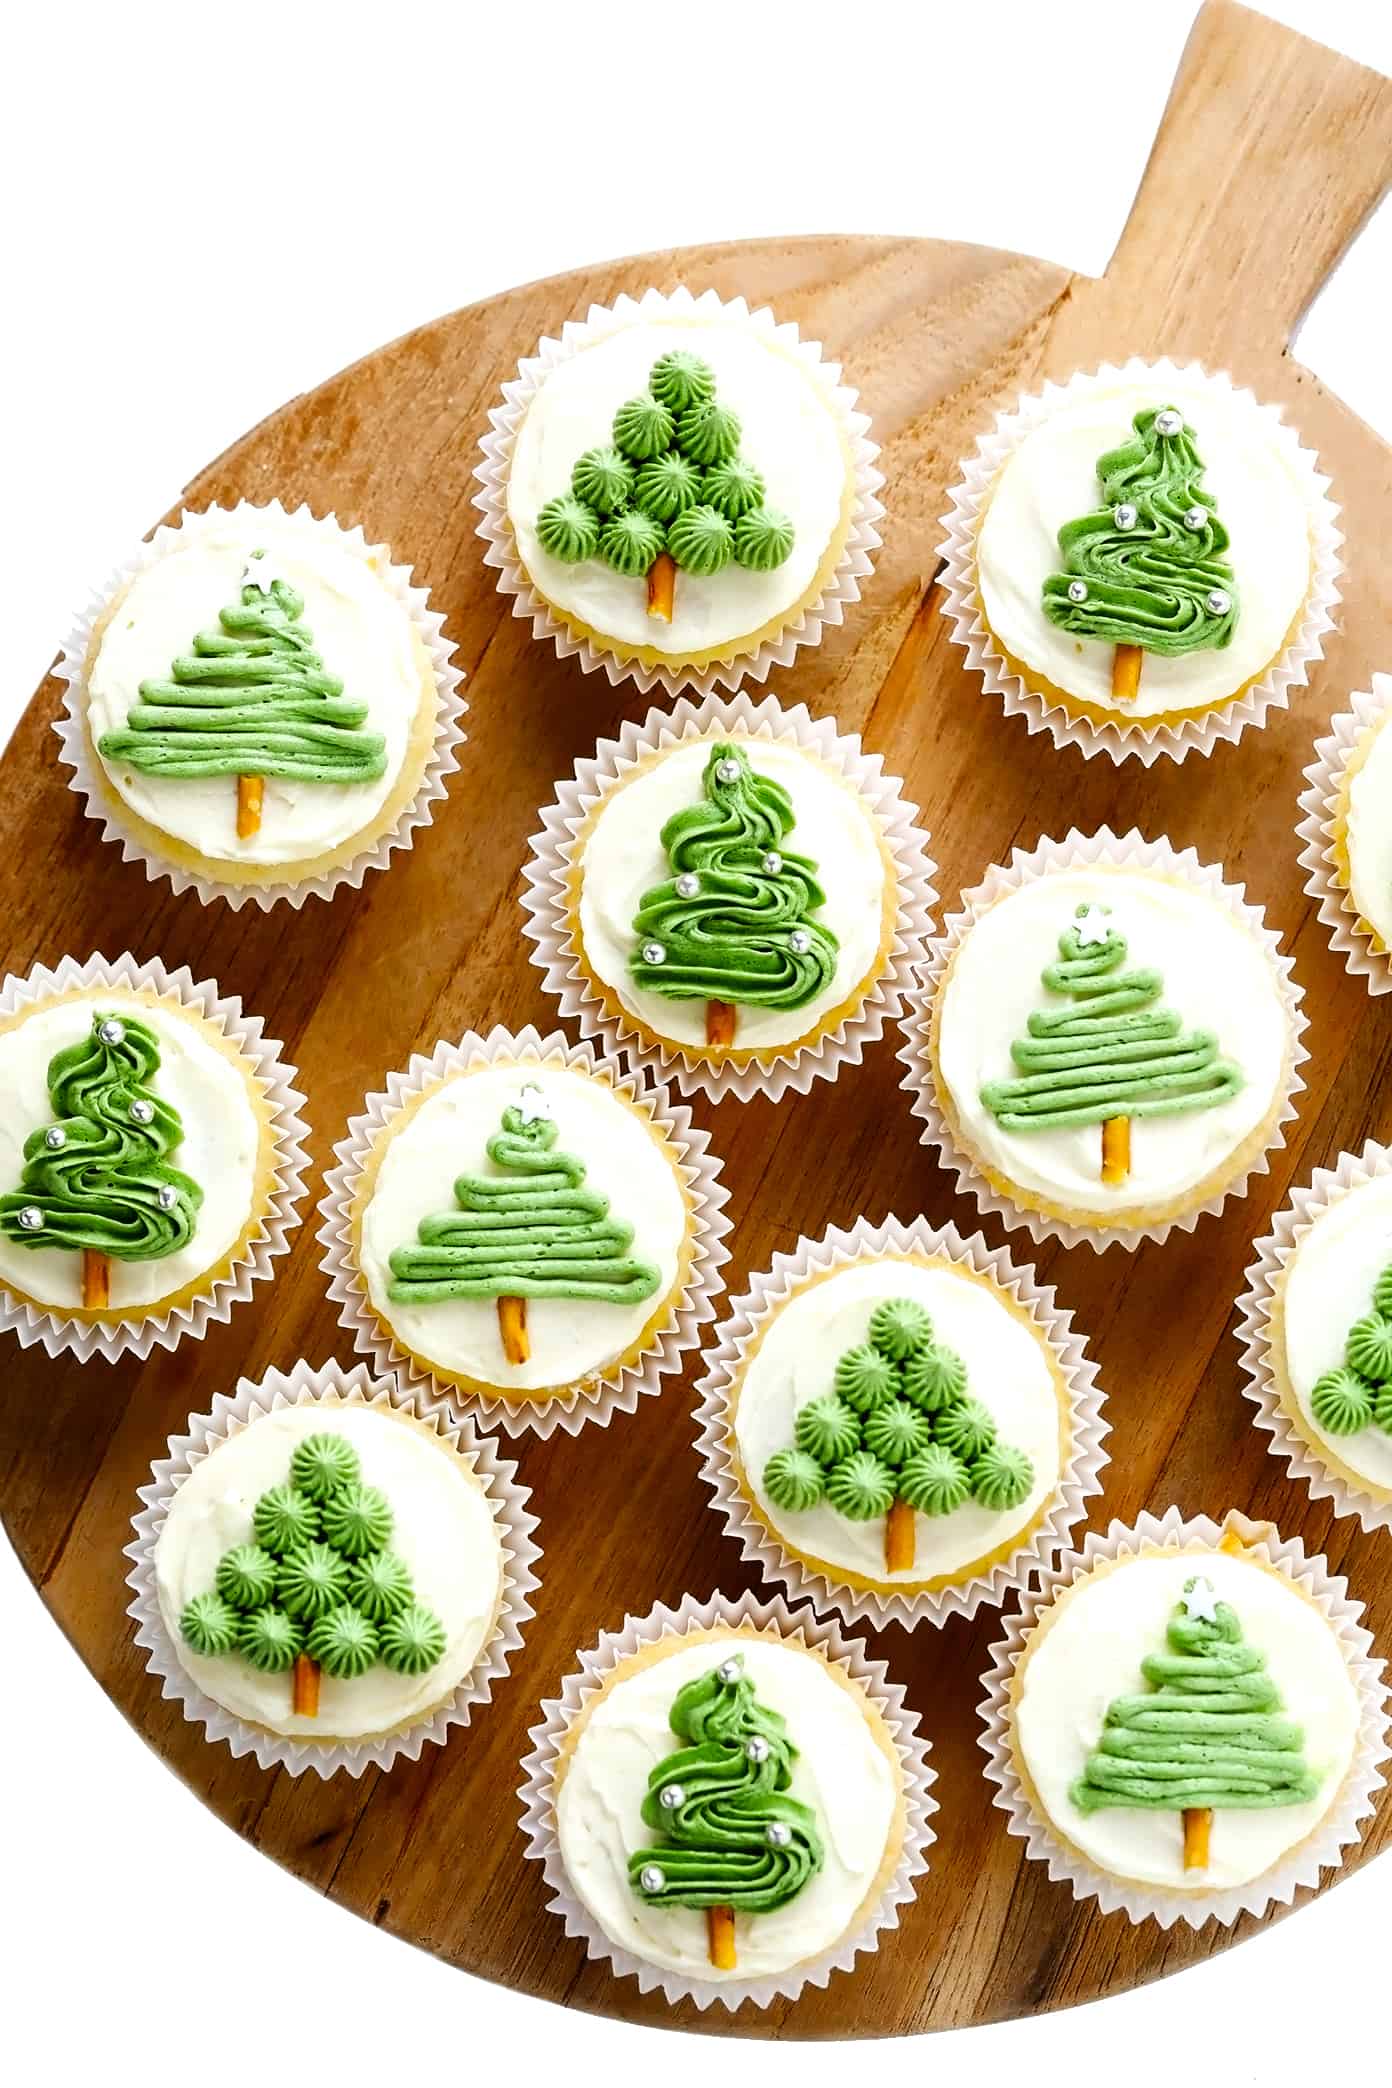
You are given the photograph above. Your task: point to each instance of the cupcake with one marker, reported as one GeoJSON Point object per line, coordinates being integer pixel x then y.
{"type": "Point", "coordinates": [261, 706]}
{"type": "Point", "coordinates": [728, 1802]}
{"type": "Point", "coordinates": [1347, 807]}
{"type": "Point", "coordinates": [732, 893]}
{"type": "Point", "coordinates": [1107, 1041]}
{"type": "Point", "coordinates": [524, 1228]}
{"type": "Point", "coordinates": [326, 1580]}
{"type": "Point", "coordinates": [1143, 560]}
{"type": "Point", "coordinates": [1317, 1321]}
{"type": "Point", "coordinates": [899, 1423]}
{"type": "Point", "coordinates": [679, 490]}
{"type": "Point", "coordinates": [1185, 1722]}
{"type": "Point", "coordinates": [150, 1163]}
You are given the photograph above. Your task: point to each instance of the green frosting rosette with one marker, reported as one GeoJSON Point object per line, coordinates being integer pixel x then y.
{"type": "Point", "coordinates": [357, 1520]}
{"type": "Point", "coordinates": [246, 1577]}
{"type": "Point", "coordinates": [324, 1464]}
{"type": "Point", "coordinates": [934, 1378]}
{"type": "Point", "coordinates": [631, 541]}
{"type": "Point", "coordinates": [412, 1640]}
{"type": "Point", "coordinates": [568, 529]}
{"type": "Point", "coordinates": [209, 1626]}
{"type": "Point", "coordinates": [935, 1481]}
{"type": "Point", "coordinates": [708, 433]}
{"type": "Point", "coordinates": [966, 1428]}
{"type": "Point", "coordinates": [603, 481]}
{"type": "Point", "coordinates": [860, 1487]}
{"type": "Point", "coordinates": [270, 1640]}
{"type": "Point", "coordinates": [667, 487]}
{"type": "Point", "coordinates": [763, 540]}
{"type": "Point", "coordinates": [379, 1585]}
{"type": "Point", "coordinates": [826, 1429]}
{"type": "Point", "coordinates": [897, 1431]}
{"type": "Point", "coordinates": [701, 541]}
{"type": "Point", "coordinates": [1001, 1477]}
{"type": "Point", "coordinates": [1341, 1402]}
{"type": "Point", "coordinates": [900, 1329]}
{"type": "Point", "coordinates": [865, 1379]}
{"type": "Point", "coordinates": [794, 1480]}
{"type": "Point", "coordinates": [284, 1519]}
{"type": "Point", "coordinates": [680, 379]}
{"type": "Point", "coordinates": [734, 488]}
{"type": "Point", "coordinates": [344, 1642]}
{"type": "Point", "coordinates": [642, 428]}
{"type": "Point", "coordinates": [1369, 1348]}
{"type": "Point", "coordinates": [312, 1581]}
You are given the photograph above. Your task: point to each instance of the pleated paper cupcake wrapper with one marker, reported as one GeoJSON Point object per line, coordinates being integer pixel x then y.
{"type": "Point", "coordinates": [550, 867]}
{"type": "Point", "coordinates": [1077, 851]}
{"type": "Point", "coordinates": [745, 1321]}
{"type": "Point", "coordinates": [232, 1413]}
{"type": "Point", "coordinates": [1320, 1850]}
{"type": "Point", "coordinates": [58, 1330]}
{"type": "Point", "coordinates": [1137, 741]}
{"type": "Point", "coordinates": [1349, 933]}
{"type": "Point", "coordinates": [589, 1401]}
{"type": "Point", "coordinates": [774, 1618]}
{"type": "Point", "coordinates": [100, 799]}
{"type": "Point", "coordinates": [1327, 1186]}
{"type": "Point", "coordinates": [495, 462]}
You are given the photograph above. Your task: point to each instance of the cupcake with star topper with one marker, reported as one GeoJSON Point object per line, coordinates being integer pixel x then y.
{"type": "Point", "coordinates": [260, 705]}
{"type": "Point", "coordinates": [679, 491]}
{"type": "Point", "coordinates": [1142, 561]}
{"type": "Point", "coordinates": [151, 1164]}
{"type": "Point", "coordinates": [1184, 1721]}
{"type": "Point", "coordinates": [731, 892]}
{"type": "Point", "coordinates": [1105, 1041]}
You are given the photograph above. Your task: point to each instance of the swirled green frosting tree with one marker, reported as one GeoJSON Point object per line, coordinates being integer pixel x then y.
{"type": "Point", "coordinates": [733, 926]}
{"type": "Point", "coordinates": [669, 490]}
{"type": "Point", "coordinates": [733, 1841]}
{"type": "Point", "coordinates": [252, 699]}
{"type": "Point", "coordinates": [1357, 1393]}
{"type": "Point", "coordinates": [532, 1231]}
{"type": "Point", "coordinates": [1145, 572]}
{"type": "Point", "coordinates": [898, 1433]}
{"type": "Point", "coordinates": [1209, 1735]}
{"type": "Point", "coordinates": [98, 1181]}
{"type": "Point", "coordinates": [1111, 1055]}
{"type": "Point", "coordinates": [317, 1586]}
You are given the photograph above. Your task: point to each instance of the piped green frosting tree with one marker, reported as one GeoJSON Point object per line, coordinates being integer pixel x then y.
{"type": "Point", "coordinates": [733, 1839]}
{"type": "Point", "coordinates": [98, 1180]}
{"type": "Point", "coordinates": [1208, 1736]}
{"type": "Point", "coordinates": [1357, 1393]}
{"type": "Point", "coordinates": [1145, 572]}
{"type": "Point", "coordinates": [733, 926]}
{"type": "Point", "coordinates": [253, 699]}
{"type": "Point", "coordinates": [317, 1587]}
{"type": "Point", "coordinates": [1111, 1054]}
{"type": "Point", "coordinates": [669, 490]}
{"type": "Point", "coordinates": [532, 1231]}
{"type": "Point", "coordinates": [897, 1433]}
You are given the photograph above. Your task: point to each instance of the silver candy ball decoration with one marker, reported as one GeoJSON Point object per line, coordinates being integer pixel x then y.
{"type": "Point", "coordinates": [111, 1031]}
{"type": "Point", "coordinates": [670, 1797]}
{"type": "Point", "coordinates": [777, 1835]}
{"type": "Point", "coordinates": [757, 1749]}
{"type": "Point", "coordinates": [1077, 590]}
{"type": "Point", "coordinates": [654, 952]}
{"type": "Point", "coordinates": [1219, 603]}
{"type": "Point", "coordinates": [730, 1670]}
{"type": "Point", "coordinates": [55, 1137]}
{"type": "Point", "coordinates": [1195, 518]}
{"type": "Point", "coordinates": [168, 1197]}
{"type": "Point", "coordinates": [728, 770]}
{"type": "Point", "coordinates": [1124, 516]}
{"type": "Point", "coordinates": [31, 1217]}
{"type": "Point", "coordinates": [688, 885]}
{"type": "Point", "coordinates": [799, 942]}
{"type": "Point", "coordinates": [651, 1878]}
{"type": "Point", "coordinates": [1168, 421]}
{"type": "Point", "coordinates": [772, 863]}
{"type": "Point", "coordinates": [142, 1112]}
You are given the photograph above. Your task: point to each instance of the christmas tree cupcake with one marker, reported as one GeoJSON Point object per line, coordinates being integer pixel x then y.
{"type": "Point", "coordinates": [1107, 1040]}
{"type": "Point", "coordinates": [523, 1228]}
{"type": "Point", "coordinates": [1347, 831]}
{"type": "Point", "coordinates": [260, 706]}
{"type": "Point", "coordinates": [323, 1578]}
{"type": "Point", "coordinates": [1184, 1721]}
{"type": "Point", "coordinates": [732, 893]}
{"type": "Point", "coordinates": [899, 1423]}
{"type": "Point", "coordinates": [150, 1156]}
{"type": "Point", "coordinates": [728, 1802]}
{"type": "Point", "coordinates": [679, 490]}
{"type": "Point", "coordinates": [1142, 561]}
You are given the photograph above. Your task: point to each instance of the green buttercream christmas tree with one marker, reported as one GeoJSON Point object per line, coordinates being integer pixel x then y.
{"type": "Point", "coordinates": [733, 926]}
{"type": "Point", "coordinates": [1358, 1392]}
{"type": "Point", "coordinates": [732, 1838]}
{"type": "Point", "coordinates": [317, 1586]}
{"type": "Point", "coordinates": [897, 1433]}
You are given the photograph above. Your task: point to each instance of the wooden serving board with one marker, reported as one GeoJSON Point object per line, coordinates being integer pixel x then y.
{"type": "Point", "coordinates": [1271, 154]}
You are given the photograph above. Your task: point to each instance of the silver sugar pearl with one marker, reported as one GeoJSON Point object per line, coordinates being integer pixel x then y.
{"type": "Point", "coordinates": [799, 942]}
{"type": "Point", "coordinates": [31, 1217]}
{"type": "Point", "coordinates": [651, 1878]}
{"type": "Point", "coordinates": [1077, 590]}
{"type": "Point", "coordinates": [772, 863]}
{"type": "Point", "coordinates": [730, 1670]}
{"type": "Point", "coordinates": [142, 1112]}
{"type": "Point", "coordinates": [727, 771]}
{"type": "Point", "coordinates": [1124, 516]}
{"type": "Point", "coordinates": [688, 885]}
{"type": "Point", "coordinates": [1195, 518]}
{"type": "Point", "coordinates": [777, 1835]}
{"type": "Point", "coordinates": [55, 1137]}
{"type": "Point", "coordinates": [1219, 603]}
{"type": "Point", "coordinates": [757, 1749]}
{"type": "Point", "coordinates": [168, 1197]}
{"type": "Point", "coordinates": [1168, 421]}
{"type": "Point", "coordinates": [111, 1031]}
{"type": "Point", "coordinates": [670, 1797]}
{"type": "Point", "coordinates": [654, 952]}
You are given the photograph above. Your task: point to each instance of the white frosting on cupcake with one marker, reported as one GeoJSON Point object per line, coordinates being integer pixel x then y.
{"type": "Point", "coordinates": [840, 1771]}
{"type": "Point", "coordinates": [442, 1527]}
{"type": "Point", "coordinates": [446, 1137]}
{"type": "Point", "coordinates": [1051, 478]}
{"type": "Point", "coordinates": [363, 635]}
{"type": "Point", "coordinates": [1214, 973]}
{"type": "Point", "coordinates": [206, 1084]}
{"type": "Point", "coordinates": [1370, 833]}
{"type": "Point", "coordinates": [1008, 1371]}
{"type": "Point", "coordinates": [623, 858]}
{"type": "Point", "coordinates": [1328, 1285]}
{"type": "Point", "coordinates": [790, 434]}
{"type": "Point", "coordinates": [1104, 1626]}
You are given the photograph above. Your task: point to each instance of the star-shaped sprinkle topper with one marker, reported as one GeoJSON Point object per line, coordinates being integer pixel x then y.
{"type": "Point", "coordinates": [532, 1105]}
{"type": "Point", "coordinates": [1092, 925]}
{"type": "Point", "coordinates": [1201, 1600]}
{"type": "Point", "coordinates": [260, 569]}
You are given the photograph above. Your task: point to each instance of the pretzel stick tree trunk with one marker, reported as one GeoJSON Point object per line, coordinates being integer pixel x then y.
{"type": "Point", "coordinates": [512, 1325]}
{"type": "Point", "coordinates": [1126, 673]}
{"type": "Point", "coordinates": [304, 1700]}
{"type": "Point", "coordinates": [720, 1938]}
{"type": "Point", "coordinates": [899, 1538]}
{"type": "Point", "coordinates": [250, 796]}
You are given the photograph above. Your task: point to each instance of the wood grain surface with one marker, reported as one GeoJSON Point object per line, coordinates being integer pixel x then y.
{"type": "Point", "coordinates": [1271, 154]}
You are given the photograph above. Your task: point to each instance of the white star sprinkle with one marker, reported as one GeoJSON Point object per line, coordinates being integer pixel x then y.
{"type": "Point", "coordinates": [1092, 926]}
{"type": "Point", "coordinates": [260, 569]}
{"type": "Point", "coordinates": [532, 1106]}
{"type": "Point", "coordinates": [1201, 1601]}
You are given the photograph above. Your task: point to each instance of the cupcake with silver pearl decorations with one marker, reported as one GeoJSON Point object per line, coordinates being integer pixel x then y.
{"type": "Point", "coordinates": [729, 1800]}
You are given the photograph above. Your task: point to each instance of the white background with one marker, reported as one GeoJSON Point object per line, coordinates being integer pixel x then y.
{"type": "Point", "coordinates": [209, 208]}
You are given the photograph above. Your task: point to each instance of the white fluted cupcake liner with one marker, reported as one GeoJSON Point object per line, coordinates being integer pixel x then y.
{"type": "Point", "coordinates": [57, 1330]}
{"type": "Point", "coordinates": [1289, 1227]}
{"type": "Point", "coordinates": [101, 801]}
{"type": "Point", "coordinates": [774, 1618]}
{"type": "Point", "coordinates": [1322, 1847]}
{"type": "Point", "coordinates": [229, 1415]}
{"type": "Point", "coordinates": [1137, 741]}
{"type": "Point", "coordinates": [550, 869]}
{"type": "Point", "coordinates": [568, 1410]}
{"type": "Point", "coordinates": [768, 1291]}
{"type": "Point", "coordinates": [1073, 852]}
{"type": "Point", "coordinates": [857, 555]}
{"type": "Point", "coordinates": [1320, 803]}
